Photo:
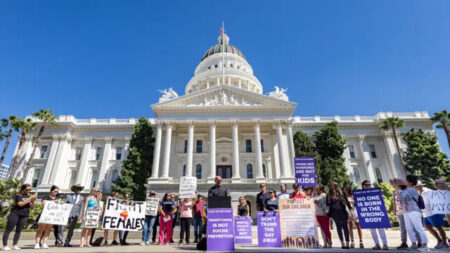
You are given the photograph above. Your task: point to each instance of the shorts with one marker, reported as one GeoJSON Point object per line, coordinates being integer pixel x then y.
{"type": "Point", "coordinates": [436, 220]}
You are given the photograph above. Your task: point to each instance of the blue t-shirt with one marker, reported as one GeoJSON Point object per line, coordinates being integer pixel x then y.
{"type": "Point", "coordinates": [167, 205]}
{"type": "Point", "coordinates": [271, 205]}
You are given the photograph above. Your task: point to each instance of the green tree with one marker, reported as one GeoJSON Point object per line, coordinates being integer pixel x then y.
{"type": "Point", "coordinates": [330, 145]}
{"type": "Point", "coordinates": [13, 122]}
{"type": "Point", "coordinates": [48, 119]}
{"type": "Point", "coordinates": [443, 118]}
{"type": "Point", "coordinates": [424, 158]}
{"type": "Point", "coordinates": [138, 165]}
{"type": "Point", "coordinates": [388, 195]}
{"type": "Point", "coordinates": [25, 126]}
{"type": "Point", "coordinates": [392, 124]}
{"type": "Point", "coordinates": [303, 145]}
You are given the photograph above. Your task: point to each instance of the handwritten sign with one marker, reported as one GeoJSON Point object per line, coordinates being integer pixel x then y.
{"type": "Point", "coordinates": [151, 206]}
{"type": "Point", "coordinates": [440, 202]}
{"type": "Point", "coordinates": [305, 171]}
{"type": "Point", "coordinates": [124, 215]}
{"type": "Point", "coordinates": [92, 218]}
{"type": "Point", "coordinates": [56, 214]}
{"type": "Point", "coordinates": [188, 187]}
{"type": "Point", "coordinates": [371, 209]}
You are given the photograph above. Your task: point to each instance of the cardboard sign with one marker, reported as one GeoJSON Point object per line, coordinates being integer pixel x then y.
{"type": "Point", "coordinates": [188, 187]}
{"type": "Point", "coordinates": [371, 209]}
{"type": "Point", "coordinates": [92, 218]}
{"type": "Point", "coordinates": [151, 206]}
{"type": "Point", "coordinates": [298, 224]}
{"type": "Point", "coordinates": [305, 171]}
{"type": "Point", "coordinates": [243, 230]}
{"type": "Point", "coordinates": [56, 214]}
{"type": "Point", "coordinates": [123, 215]}
{"type": "Point", "coordinates": [440, 202]}
{"type": "Point", "coordinates": [220, 229]}
{"type": "Point", "coordinates": [269, 234]}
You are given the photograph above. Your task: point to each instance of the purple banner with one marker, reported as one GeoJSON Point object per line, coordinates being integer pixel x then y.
{"type": "Point", "coordinates": [305, 171]}
{"type": "Point", "coordinates": [243, 230]}
{"type": "Point", "coordinates": [371, 209]}
{"type": "Point", "coordinates": [269, 233]}
{"type": "Point", "coordinates": [220, 229]}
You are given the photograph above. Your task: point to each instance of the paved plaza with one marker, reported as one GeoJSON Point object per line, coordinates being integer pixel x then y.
{"type": "Point", "coordinates": [27, 243]}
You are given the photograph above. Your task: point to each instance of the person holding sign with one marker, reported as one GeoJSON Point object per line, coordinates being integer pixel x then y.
{"type": "Point", "coordinates": [18, 215]}
{"type": "Point", "coordinates": [271, 204]}
{"type": "Point", "coordinates": [185, 209]}
{"type": "Point", "coordinates": [320, 200]}
{"type": "Point", "coordinates": [89, 203]}
{"type": "Point", "coordinates": [150, 217]}
{"type": "Point", "coordinates": [338, 205]}
{"type": "Point", "coordinates": [198, 214]}
{"type": "Point", "coordinates": [166, 210]}
{"type": "Point", "coordinates": [44, 229]}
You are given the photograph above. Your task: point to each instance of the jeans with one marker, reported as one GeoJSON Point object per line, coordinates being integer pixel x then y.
{"type": "Point", "coordinates": [197, 222]}
{"type": "Point", "coordinates": [155, 228]}
{"type": "Point", "coordinates": [123, 236]}
{"type": "Point", "coordinates": [342, 225]}
{"type": "Point", "coordinates": [14, 220]}
{"type": "Point", "coordinates": [149, 222]}
{"type": "Point", "coordinates": [185, 226]}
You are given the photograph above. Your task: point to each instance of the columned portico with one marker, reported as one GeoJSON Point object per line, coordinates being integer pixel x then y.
{"type": "Point", "coordinates": [190, 149]}
{"type": "Point", "coordinates": [281, 148]}
{"type": "Point", "coordinates": [235, 136]}
{"type": "Point", "coordinates": [166, 164]}
{"type": "Point", "coordinates": [212, 151]}
{"type": "Point", "coordinates": [157, 151]}
{"type": "Point", "coordinates": [291, 146]}
{"type": "Point", "coordinates": [259, 164]}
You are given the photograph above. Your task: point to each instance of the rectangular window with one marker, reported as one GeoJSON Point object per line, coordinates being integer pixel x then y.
{"type": "Point", "coordinates": [43, 151]}
{"type": "Point", "coordinates": [372, 150]}
{"type": "Point", "coordinates": [98, 153]}
{"type": "Point", "coordinates": [199, 146]}
{"type": "Point", "coordinates": [262, 145]}
{"type": "Point", "coordinates": [185, 146]}
{"type": "Point", "coordinates": [118, 153]}
{"type": "Point", "coordinates": [248, 146]}
{"type": "Point", "coordinates": [351, 149]}
{"type": "Point", "coordinates": [78, 152]}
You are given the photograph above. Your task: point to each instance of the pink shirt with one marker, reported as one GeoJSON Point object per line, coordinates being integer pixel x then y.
{"type": "Point", "coordinates": [186, 209]}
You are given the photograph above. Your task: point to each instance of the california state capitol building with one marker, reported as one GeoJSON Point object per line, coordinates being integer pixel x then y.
{"type": "Point", "coordinates": [225, 124]}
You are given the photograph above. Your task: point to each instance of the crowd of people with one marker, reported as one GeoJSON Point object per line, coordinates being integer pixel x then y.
{"type": "Point", "coordinates": [411, 200]}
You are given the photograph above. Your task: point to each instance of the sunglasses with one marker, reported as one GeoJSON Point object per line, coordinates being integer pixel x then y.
{"type": "Point", "coordinates": [367, 184]}
{"type": "Point", "coordinates": [27, 189]}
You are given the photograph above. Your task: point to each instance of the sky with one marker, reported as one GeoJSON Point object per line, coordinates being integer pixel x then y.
{"type": "Point", "coordinates": [108, 58]}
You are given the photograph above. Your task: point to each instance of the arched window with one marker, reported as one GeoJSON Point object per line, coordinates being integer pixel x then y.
{"type": "Point", "coordinates": [249, 171]}
{"type": "Point", "coordinates": [264, 170]}
{"type": "Point", "coordinates": [379, 176]}
{"type": "Point", "coordinates": [198, 171]}
{"type": "Point", "coordinates": [184, 170]}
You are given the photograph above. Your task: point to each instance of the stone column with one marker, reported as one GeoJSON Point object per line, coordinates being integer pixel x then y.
{"type": "Point", "coordinates": [282, 150]}
{"type": "Point", "coordinates": [50, 161]}
{"type": "Point", "coordinates": [368, 170]}
{"type": "Point", "coordinates": [190, 149]}
{"type": "Point", "coordinates": [84, 163]}
{"type": "Point", "coordinates": [259, 169]}
{"type": "Point", "coordinates": [236, 171]}
{"type": "Point", "coordinates": [104, 164]}
{"type": "Point", "coordinates": [391, 156]}
{"type": "Point", "coordinates": [212, 151]}
{"type": "Point", "coordinates": [165, 169]}
{"type": "Point", "coordinates": [157, 151]}
{"type": "Point", "coordinates": [290, 137]}
{"type": "Point", "coordinates": [60, 166]}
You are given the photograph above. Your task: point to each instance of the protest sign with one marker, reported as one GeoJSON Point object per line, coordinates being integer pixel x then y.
{"type": "Point", "coordinates": [371, 210]}
{"type": "Point", "coordinates": [188, 187]}
{"type": "Point", "coordinates": [269, 234]}
{"type": "Point", "coordinates": [297, 222]}
{"type": "Point", "coordinates": [92, 217]}
{"type": "Point", "coordinates": [56, 214]}
{"type": "Point", "coordinates": [220, 229]}
{"type": "Point", "coordinates": [243, 230]}
{"type": "Point", "coordinates": [305, 171]}
{"type": "Point", "coordinates": [151, 206]}
{"type": "Point", "coordinates": [123, 214]}
{"type": "Point", "coordinates": [440, 202]}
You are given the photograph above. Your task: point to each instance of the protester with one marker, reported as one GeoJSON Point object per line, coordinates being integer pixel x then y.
{"type": "Point", "coordinates": [149, 222]}
{"type": "Point", "coordinates": [218, 190]}
{"type": "Point", "coordinates": [297, 194]}
{"type": "Point", "coordinates": [243, 209]}
{"type": "Point", "coordinates": [442, 185]}
{"type": "Point", "coordinates": [367, 185]}
{"type": "Point", "coordinates": [198, 214]}
{"type": "Point", "coordinates": [283, 192]}
{"type": "Point", "coordinates": [261, 197]}
{"type": "Point", "coordinates": [185, 210]}
{"type": "Point", "coordinates": [114, 194]}
{"type": "Point", "coordinates": [271, 204]}
{"type": "Point", "coordinates": [308, 192]}
{"type": "Point", "coordinates": [77, 202]}
{"type": "Point", "coordinates": [176, 214]}
{"type": "Point", "coordinates": [18, 215]}
{"type": "Point", "coordinates": [353, 218]}
{"type": "Point", "coordinates": [124, 234]}
{"type": "Point", "coordinates": [43, 230]}
{"type": "Point", "coordinates": [338, 204]}
{"type": "Point", "coordinates": [430, 220]}
{"type": "Point", "coordinates": [412, 213]}
{"type": "Point", "coordinates": [89, 203]}
{"type": "Point", "coordinates": [320, 200]}
{"type": "Point", "coordinates": [102, 209]}
{"type": "Point", "coordinates": [166, 210]}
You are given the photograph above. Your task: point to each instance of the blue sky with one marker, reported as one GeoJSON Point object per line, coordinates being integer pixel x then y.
{"type": "Point", "coordinates": [101, 59]}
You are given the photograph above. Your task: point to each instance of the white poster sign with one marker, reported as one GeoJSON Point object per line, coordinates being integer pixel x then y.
{"type": "Point", "coordinates": [152, 206]}
{"type": "Point", "coordinates": [440, 202]}
{"type": "Point", "coordinates": [56, 214]}
{"type": "Point", "coordinates": [92, 218]}
{"type": "Point", "coordinates": [124, 214]}
{"type": "Point", "coordinates": [188, 187]}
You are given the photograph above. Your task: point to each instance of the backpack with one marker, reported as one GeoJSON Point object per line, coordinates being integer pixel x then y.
{"type": "Point", "coordinates": [419, 202]}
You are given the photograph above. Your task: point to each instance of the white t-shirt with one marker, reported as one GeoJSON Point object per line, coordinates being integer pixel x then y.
{"type": "Point", "coordinates": [426, 200]}
{"type": "Point", "coordinates": [283, 195]}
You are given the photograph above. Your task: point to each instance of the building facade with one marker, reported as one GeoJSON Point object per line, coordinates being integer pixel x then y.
{"type": "Point", "coordinates": [4, 172]}
{"type": "Point", "coordinates": [224, 125]}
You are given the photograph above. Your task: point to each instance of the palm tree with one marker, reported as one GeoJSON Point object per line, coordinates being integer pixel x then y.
{"type": "Point", "coordinates": [25, 125]}
{"type": "Point", "coordinates": [48, 119]}
{"type": "Point", "coordinates": [443, 118]}
{"type": "Point", "coordinates": [13, 123]}
{"type": "Point", "coordinates": [393, 123]}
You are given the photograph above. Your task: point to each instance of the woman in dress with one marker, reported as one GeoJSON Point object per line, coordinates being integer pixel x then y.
{"type": "Point", "coordinates": [338, 204]}
{"type": "Point", "coordinates": [353, 219]}
{"type": "Point", "coordinates": [44, 229]}
{"type": "Point", "coordinates": [89, 203]}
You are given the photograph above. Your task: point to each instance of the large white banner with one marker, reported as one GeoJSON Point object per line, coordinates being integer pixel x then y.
{"type": "Point", "coordinates": [440, 202]}
{"type": "Point", "coordinates": [123, 214]}
{"type": "Point", "coordinates": [188, 187]}
{"type": "Point", "coordinates": [92, 218]}
{"type": "Point", "coordinates": [152, 206]}
{"type": "Point", "coordinates": [56, 214]}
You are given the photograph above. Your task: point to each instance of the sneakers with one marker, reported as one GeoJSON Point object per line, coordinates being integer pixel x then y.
{"type": "Point", "coordinates": [114, 243]}
{"type": "Point", "coordinates": [424, 248]}
{"type": "Point", "coordinates": [413, 247]}
{"type": "Point", "coordinates": [147, 243]}
{"type": "Point", "coordinates": [15, 247]}
{"type": "Point", "coordinates": [6, 248]}
{"type": "Point", "coordinates": [142, 243]}
{"type": "Point", "coordinates": [37, 246]}
{"type": "Point", "coordinates": [45, 246]}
